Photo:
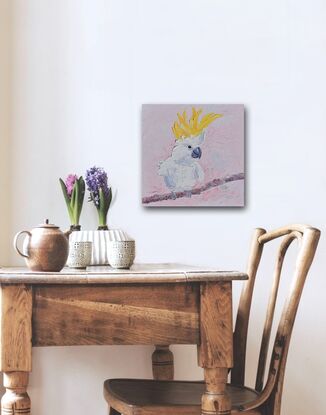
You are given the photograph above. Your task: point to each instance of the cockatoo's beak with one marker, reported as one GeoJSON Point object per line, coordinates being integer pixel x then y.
{"type": "Point", "coordinates": [196, 153]}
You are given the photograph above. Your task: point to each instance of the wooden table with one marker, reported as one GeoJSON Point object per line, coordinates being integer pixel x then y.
{"type": "Point", "coordinates": [158, 304]}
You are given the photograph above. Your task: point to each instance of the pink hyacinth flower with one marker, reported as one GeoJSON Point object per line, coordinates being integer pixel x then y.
{"type": "Point", "coordinates": [70, 183]}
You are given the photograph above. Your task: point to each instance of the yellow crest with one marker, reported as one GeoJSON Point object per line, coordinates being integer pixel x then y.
{"type": "Point", "coordinates": [184, 129]}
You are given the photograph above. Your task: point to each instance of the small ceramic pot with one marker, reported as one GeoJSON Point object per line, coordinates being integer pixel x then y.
{"type": "Point", "coordinates": [80, 254]}
{"type": "Point", "coordinates": [100, 240]}
{"type": "Point", "coordinates": [121, 254]}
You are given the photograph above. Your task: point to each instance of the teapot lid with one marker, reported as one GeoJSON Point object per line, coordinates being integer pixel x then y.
{"type": "Point", "coordinates": [47, 225]}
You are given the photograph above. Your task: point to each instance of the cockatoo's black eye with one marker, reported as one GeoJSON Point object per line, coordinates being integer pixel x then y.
{"type": "Point", "coordinates": [189, 147]}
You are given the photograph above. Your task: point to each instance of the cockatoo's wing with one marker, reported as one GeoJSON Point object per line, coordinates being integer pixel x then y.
{"type": "Point", "coordinates": [199, 172]}
{"type": "Point", "coordinates": [170, 181]}
{"type": "Point", "coordinates": [167, 169]}
{"type": "Point", "coordinates": [165, 166]}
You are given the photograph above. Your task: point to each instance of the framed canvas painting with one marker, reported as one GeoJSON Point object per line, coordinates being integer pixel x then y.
{"type": "Point", "coordinates": [192, 155]}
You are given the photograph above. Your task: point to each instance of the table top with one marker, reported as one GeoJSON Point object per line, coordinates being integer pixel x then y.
{"type": "Point", "coordinates": [138, 273]}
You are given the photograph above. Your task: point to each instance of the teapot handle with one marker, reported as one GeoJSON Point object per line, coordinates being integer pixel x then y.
{"type": "Point", "coordinates": [16, 241]}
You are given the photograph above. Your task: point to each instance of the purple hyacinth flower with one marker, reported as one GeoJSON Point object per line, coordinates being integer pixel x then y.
{"type": "Point", "coordinates": [96, 179]}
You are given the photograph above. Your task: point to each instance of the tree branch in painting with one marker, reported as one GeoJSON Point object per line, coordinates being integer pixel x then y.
{"type": "Point", "coordinates": [196, 191]}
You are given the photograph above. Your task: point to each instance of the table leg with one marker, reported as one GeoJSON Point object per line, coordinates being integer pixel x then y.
{"type": "Point", "coordinates": [16, 400]}
{"type": "Point", "coordinates": [162, 363]}
{"type": "Point", "coordinates": [215, 352]}
{"type": "Point", "coordinates": [15, 347]}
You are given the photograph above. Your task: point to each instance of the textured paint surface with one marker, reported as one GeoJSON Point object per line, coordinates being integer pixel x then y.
{"type": "Point", "coordinates": [222, 154]}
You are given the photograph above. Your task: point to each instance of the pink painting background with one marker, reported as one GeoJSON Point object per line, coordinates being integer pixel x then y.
{"type": "Point", "coordinates": [222, 152]}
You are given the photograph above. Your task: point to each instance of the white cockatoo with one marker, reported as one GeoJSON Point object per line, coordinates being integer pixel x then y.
{"type": "Point", "coordinates": [182, 171]}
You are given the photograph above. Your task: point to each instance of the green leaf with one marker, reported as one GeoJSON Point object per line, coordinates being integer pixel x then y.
{"type": "Point", "coordinates": [81, 183]}
{"type": "Point", "coordinates": [75, 200]}
{"type": "Point", "coordinates": [67, 199]}
{"type": "Point", "coordinates": [109, 199]}
{"type": "Point", "coordinates": [102, 210]}
{"type": "Point", "coordinates": [73, 196]}
{"type": "Point", "coordinates": [64, 191]}
{"type": "Point", "coordinates": [102, 201]}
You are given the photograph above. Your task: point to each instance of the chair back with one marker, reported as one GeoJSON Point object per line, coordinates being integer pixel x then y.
{"type": "Point", "coordinates": [271, 389]}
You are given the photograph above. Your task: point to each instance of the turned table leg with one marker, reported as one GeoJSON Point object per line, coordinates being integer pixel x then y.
{"type": "Point", "coordinates": [15, 347]}
{"type": "Point", "coordinates": [216, 400]}
{"type": "Point", "coordinates": [162, 363]}
{"type": "Point", "coordinates": [215, 352]}
{"type": "Point", "coordinates": [16, 400]}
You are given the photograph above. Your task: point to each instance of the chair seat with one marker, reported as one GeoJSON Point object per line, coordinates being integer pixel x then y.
{"type": "Point", "coordinates": [134, 396]}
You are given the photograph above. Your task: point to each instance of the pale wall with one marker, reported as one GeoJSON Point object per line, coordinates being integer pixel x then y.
{"type": "Point", "coordinates": [82, 69]}
{"type": "Point", "coordinates": [5, 113]}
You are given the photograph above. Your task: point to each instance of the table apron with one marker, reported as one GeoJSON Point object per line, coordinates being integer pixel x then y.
{"type": "Point", "coordinates": [130, 314]}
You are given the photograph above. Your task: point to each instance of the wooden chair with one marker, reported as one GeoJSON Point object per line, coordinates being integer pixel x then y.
{"type": "Point", "coordinates": [140, 397]}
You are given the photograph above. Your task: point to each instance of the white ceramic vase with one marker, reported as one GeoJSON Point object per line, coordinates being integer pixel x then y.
{"type": "Point", "coordinates": [100, 242]}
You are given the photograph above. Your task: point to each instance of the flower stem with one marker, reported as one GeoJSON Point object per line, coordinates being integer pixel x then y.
{"type": "Point", "coordinates": [102, 221]}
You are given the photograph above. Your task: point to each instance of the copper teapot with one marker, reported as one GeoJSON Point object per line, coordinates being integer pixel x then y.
{"type": "Point", "coordinates": [45, 248]}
